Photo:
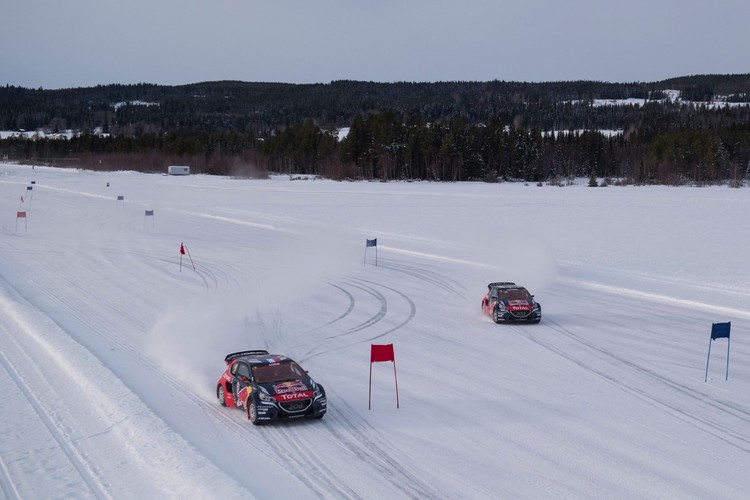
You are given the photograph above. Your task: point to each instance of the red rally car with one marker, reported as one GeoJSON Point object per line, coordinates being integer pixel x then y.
{"type": "Point", "coordinates": [269, 387]}
{"type": "Point", "coordinates": [506, 302]}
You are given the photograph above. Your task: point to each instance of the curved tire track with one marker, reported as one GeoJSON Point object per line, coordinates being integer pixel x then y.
{"type": "Point", "coordinates": [370, 288]}
{"type": "Point", "coordinates": [685, 413]}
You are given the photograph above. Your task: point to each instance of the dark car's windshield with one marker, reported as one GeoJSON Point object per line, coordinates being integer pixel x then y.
{"type": "Point", "coordinates": [278, 372]}
{"type": "Point", "coordinates": [514, 294]}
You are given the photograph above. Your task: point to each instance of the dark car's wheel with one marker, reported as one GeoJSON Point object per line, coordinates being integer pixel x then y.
{"type": "Point", "coordinates": [252, 412]}
{"type": "Point", "coordinates": [496, 315]}
{"type": "Point", "coordinates": [540, 315]}
{"type": "Point", "coordinates": [221, 394]}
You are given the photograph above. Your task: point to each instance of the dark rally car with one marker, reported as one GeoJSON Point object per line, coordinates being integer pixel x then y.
{"type": "Point", "coordinates": [506, 301]}
{"type": "Point", "coordinates": [269, 387]}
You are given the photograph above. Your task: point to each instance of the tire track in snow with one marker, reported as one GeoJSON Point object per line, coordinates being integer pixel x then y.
{"type": "Point", "coordinates": [433, 278]}
{"type": "Point", "coordinates": [286, 432]}
{"type": "Point", "coordinates": [731, 409]}
{"type": "Point", "coordinates": [304, 465]}
{"type": "Point", "coordinates": [377, 317]}
{"type": "Point", "coordinates": [368, 287]}
{"type": "Point", "coordinates": [735, 439]}
{"type": "Point", "coordinates": [412, 310]}
{"type": "Point", "coordinates": [343, 315]}
{"type": "Point", "coordinates": [382, 305]}
{"type": "Point", "coordinates": [77, 459]}
{"type": "Point", "coordinates": [354, 434]}
{"type": "Point", "coordinates": [7, 486]}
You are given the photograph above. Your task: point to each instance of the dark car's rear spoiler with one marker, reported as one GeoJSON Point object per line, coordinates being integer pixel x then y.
{"type": "Point", "coordinates": [230, 357]}
{"type": "Point", "coordinates": [500, 283]}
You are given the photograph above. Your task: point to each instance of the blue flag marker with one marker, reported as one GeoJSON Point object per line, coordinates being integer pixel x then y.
{"type": "Point", "coordinates": [371, 243]}
{"type": "Point", "coordinates": [719, 331]}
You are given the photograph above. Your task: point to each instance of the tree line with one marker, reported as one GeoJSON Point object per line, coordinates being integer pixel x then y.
{"type": "Point", "coordinates": [446, 131]}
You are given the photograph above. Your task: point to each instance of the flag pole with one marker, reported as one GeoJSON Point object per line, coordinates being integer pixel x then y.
{"type": "Point", "coordinates": [190, 256]}
{"type": "Point", "coordinates": [727, 375]}
{"type": "Point", "coordinates": [396, 379]}
{"type": "Point", "coordinates": [369, 391]}
{"type": "Point", "coordinates": [708, 358]}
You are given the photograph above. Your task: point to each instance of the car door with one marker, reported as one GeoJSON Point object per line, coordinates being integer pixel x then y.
{"type": "Point", "coordinates": [241, 378]}
{"type": "Point", "coordinates": [493, 299]}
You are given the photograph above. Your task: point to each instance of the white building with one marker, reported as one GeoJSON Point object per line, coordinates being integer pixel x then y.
{"type": "Point", "coordinates": [178, 170]}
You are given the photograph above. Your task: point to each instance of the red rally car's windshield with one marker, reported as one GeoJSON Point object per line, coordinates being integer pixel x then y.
{"type": "Point", "coordinates": [278, 372]}
{"type": "Point", "coordinates": [514, 294]}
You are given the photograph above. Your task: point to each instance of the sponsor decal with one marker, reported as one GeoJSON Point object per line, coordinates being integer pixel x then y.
{"type": "Point", "coordinates": [293, 386]}
{"type": "Point", "coordinates": [245, 393]}
{"type": "Point", "coordinates": [292, 396]}
{"type": "Point", "coordinates": [519, 305]}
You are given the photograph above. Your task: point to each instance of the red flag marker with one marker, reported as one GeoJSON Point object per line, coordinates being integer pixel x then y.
{"type": "Point", "coordinates": [183, 251]}
{"type": "Point", "coordinates": [380, 353]}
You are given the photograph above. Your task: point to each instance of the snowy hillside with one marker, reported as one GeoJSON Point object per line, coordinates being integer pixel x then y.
{"type": "Point", "coordinates": [111, 347]}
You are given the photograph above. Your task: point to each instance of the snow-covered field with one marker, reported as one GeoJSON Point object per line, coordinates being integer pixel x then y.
{"type": "Point", "coordinates": [110, 351]}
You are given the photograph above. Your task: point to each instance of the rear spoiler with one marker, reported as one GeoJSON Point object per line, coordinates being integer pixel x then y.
{"type": "Point", "coordinates": [231, 357]}
{"type": "Point", "coordinates": [500, 283]}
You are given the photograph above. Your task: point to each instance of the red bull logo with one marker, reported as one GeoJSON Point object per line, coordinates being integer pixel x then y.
{"type": "Point", "coordinates": [244, 393]}
{"type": "Point", "coordinates": [287, 387]}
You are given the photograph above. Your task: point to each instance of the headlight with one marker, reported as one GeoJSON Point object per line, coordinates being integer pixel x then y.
{"type": "Point", "coordinates": [265, 397]}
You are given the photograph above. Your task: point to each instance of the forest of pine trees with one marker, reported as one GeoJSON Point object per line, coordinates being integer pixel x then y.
{"type": "Point", "coordinates": [449, 131]}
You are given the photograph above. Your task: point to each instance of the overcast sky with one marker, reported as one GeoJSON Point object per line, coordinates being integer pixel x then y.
{"type": "Point", "coordinates": [74, 43]}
